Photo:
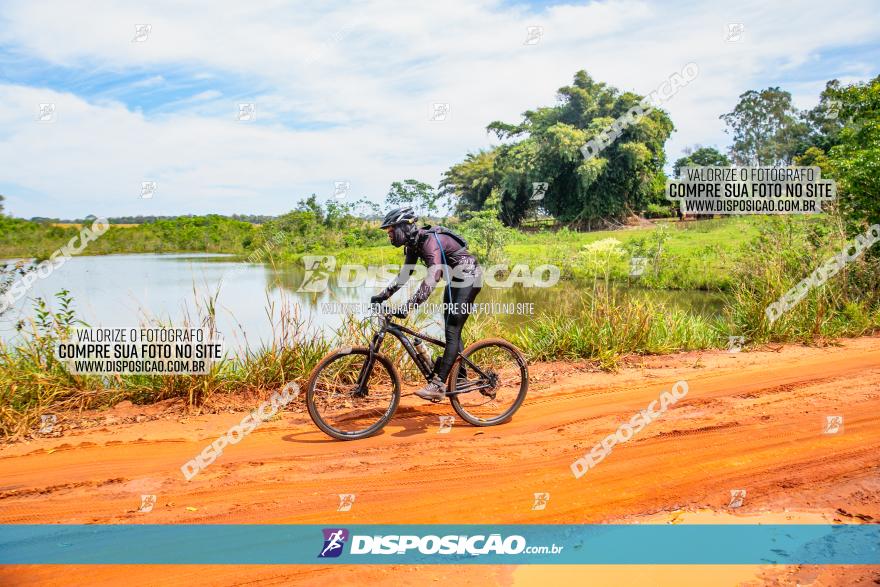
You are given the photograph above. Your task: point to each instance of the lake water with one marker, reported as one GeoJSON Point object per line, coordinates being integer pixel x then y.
{"type": "Point", "coordinates": [127, 290]}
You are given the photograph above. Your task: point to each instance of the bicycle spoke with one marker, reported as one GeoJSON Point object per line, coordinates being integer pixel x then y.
{"type": "Point", "coordinates": [496, 385]}
{"type": "Point", "coordinates": [336, 399]}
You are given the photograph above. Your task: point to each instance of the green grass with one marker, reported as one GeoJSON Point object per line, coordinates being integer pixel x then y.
{"type": "Point", "coordinates": [33, 382]}
{"type": "Point", "coordinates": [682, 255]}
{"type": "Point", "coordinates": [208, 234]}
{"type": "Point", "coordinates": [693, 255]}
{"type": "Point", "coordinates": [604, 329]}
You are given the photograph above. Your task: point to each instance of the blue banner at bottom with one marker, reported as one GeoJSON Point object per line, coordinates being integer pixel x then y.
{"type": "Point", "coordinates": [209, 544]}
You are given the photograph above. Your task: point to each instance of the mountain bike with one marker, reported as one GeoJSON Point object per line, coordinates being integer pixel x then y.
{"type": "Point", "coordinates": [353, 392]}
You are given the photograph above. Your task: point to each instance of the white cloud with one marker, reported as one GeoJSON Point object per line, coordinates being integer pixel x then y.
{"type": "Point", "coordinates": [363, 77]}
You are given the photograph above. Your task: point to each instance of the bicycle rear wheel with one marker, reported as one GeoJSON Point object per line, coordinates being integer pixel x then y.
{"type": "Point", "coordinates": [338, 407]}
{"type": "Point", "coordinates": [490, 383]}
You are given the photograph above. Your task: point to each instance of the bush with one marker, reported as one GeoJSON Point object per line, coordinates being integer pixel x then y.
{"type": "Point", "coordinates": [783, 254]}
{"type": "Point", "coordinates": [659, 211]}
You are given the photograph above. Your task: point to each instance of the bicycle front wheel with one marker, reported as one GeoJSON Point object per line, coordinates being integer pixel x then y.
{"type": "Point", "coordinates": [343, 410]}
{"type": "Point", "coordinates": [489, 383]}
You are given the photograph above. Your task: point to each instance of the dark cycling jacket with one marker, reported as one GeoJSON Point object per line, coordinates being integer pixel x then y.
{"type": "Point", "coordinates": [425, 248]}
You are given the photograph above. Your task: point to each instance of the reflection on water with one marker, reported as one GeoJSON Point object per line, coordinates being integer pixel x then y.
{"type": "Point", "coordinates": [124, 290]}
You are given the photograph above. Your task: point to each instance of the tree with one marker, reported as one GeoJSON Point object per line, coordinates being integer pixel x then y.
{"type": "Point", "coordinates": [702, 156]}
{"type": "Point", "coordinates": [421, 196]}
{"type": "Point", "coordinates": [1, 203]}
{"type": "Point", "coordinates": [855, 161]}
{"type": "Point", "coordinates": [815, 157]}
{"type": "Point", "coordinates": [469, 184]}
{"type": "Point", "coordinates": [367, 208]}
{"type": "Point", "coordinates": [824, 121]}
{"type": "Point", "coordinates": [546, 148]}
{"type": "Point", "coordinates": [486, 234]}
{"type": "Point", "coordinates": [337, 212]}
{"type": "Point", "coordinates": [311, 204]}
{"type": "Point", "coordinates": [766, 128]}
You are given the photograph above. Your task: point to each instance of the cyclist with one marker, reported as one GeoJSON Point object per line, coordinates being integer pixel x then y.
{"type": "Point", "coordinates": [442, 252]}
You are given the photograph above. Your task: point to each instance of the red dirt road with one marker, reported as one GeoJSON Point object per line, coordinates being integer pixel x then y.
{"type": "Point", "coordinates": [750, 421]}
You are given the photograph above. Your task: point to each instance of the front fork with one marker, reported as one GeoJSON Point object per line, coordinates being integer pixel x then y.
{"type": "Point", "coordinates": [364, 378]}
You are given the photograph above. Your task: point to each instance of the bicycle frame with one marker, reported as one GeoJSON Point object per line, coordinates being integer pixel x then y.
{"type": "Point", "coordinates": [399, 332]}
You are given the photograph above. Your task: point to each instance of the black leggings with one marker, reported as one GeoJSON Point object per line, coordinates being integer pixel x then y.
{"type": "Point", "coordinates": [454, 322]}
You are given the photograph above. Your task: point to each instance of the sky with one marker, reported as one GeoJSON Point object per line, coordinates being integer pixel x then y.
{"type": "Point", "coordinates": [150, 91]}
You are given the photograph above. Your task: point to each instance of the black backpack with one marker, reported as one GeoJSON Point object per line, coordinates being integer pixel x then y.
{"type": "Point", "coordinates": [447, 232]}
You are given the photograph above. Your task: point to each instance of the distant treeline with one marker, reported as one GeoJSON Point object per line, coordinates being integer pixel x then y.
{"type": "Point", "coordinates": [307, 229]}
{"type": "Point", "coordinates": [250, 218]}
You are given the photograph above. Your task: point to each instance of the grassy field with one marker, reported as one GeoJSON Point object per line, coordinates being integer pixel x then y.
{"type": "Point", "coordinates": [680, 255]}
{"type": "Point", "coordinates": [209, 234]}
